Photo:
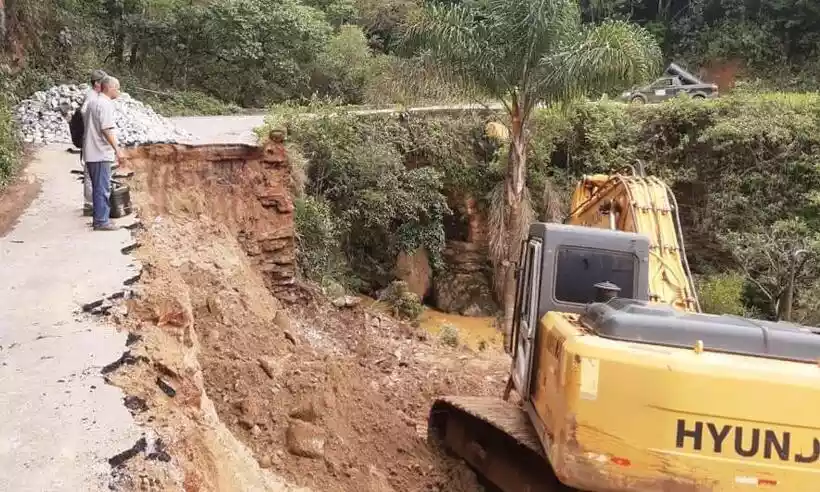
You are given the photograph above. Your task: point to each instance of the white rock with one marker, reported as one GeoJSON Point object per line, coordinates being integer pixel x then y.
{"type": "Point", "coordinates": [44, 118]}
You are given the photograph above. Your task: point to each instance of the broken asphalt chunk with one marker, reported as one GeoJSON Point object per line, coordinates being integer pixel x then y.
{"type": "Point", "coordinates": [87, 308]}
{"type": "Point", "coordinates": [131, 247]}
{"type": "Point", "coordinates": [166, 388]}
{"type": "Point", "coordinates": [135, 404]}
{"type": "Point", "coordinates": [132, 280]}
{"type": "Point", "coordinates": [132, 339]}
{"type": "Point", "coordinates": [159, 453]}
{"type": "Point", "coordinates": [126, 358]}
{"type": "Point", "coordinates": [126, 455]}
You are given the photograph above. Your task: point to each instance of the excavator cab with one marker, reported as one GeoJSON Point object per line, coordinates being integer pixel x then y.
{"type": "Point", "coordinates": [564, 268]}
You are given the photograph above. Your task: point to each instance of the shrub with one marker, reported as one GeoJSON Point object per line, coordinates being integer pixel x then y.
{"type": "Point", "coordinates": [405, 304]}
{"type": "Point", "coordinates": [317, 236]}
{"type": "Point", "coordinates": [344, 66]}
{"type": "Point", "coordinates": [722, 293]}
{"type": "Point", "coordinates": [9, 143]}
{"type": "Point", "coordinates": [448, 335]}
{"type": "Point", "coordinates": [381, 207]}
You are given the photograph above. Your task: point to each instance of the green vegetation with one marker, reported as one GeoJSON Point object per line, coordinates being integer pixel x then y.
{"type": "Point", "coordinates": [722, 293]}
{"type": "Point", "coordinates": [745, 170]}
{"type": "Point", "coordinates": [254, 53]}
{"type": "Point", "coordinates": [185, 103]}
{"type": "Point", "coordinates": [448, 335]}
{"type": "Point", "coordinates": [9, 144]}
{"type": "Point", "coordinates": [377, 185]}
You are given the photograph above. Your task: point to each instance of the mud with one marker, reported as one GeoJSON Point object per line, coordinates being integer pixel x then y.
{"type": "Point", "coordinates": [274, 388]}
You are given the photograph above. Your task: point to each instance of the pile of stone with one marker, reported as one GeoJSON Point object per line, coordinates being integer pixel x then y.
{"type": "Point", "coordinates": [44, 118]}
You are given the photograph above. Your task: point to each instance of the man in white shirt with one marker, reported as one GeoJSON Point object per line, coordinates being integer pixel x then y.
{"type": "Point", "coordinates": [97, 77]}
{"type": "Point", "coordinates": [100, 150]}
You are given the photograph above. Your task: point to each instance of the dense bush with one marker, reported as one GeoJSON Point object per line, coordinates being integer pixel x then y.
{"type": "Point", "coordinates": [742, 164]}
{"type": "Point", "coordinates": [9, 143]}
{"type": "Point", "coordinates": [377, 203]}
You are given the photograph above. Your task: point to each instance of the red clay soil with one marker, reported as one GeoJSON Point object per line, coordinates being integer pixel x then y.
{"type": "Point", "coordinates": [15, 199]}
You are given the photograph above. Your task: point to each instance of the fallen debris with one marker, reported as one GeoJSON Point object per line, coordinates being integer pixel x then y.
{"type": "Point", "coordinates": [166, 388]}
{"type": "Point", "coordinates": [126, 455]}
{"type": "Point", "coordinates": [159, 453]}
{"type": "Point", "coordinates": [132, 338]}
{"type": "Point", "coordinates": [126, 358]}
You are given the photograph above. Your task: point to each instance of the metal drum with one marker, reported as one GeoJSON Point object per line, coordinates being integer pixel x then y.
{"type": "Point", "coordinates": [120, 200]}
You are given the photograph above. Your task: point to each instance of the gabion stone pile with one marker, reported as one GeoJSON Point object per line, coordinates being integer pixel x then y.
{"type": "Point", "coordinates": [44, 118]}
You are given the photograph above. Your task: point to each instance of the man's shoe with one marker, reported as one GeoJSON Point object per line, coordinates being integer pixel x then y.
{"type": "Point", "coordinates": [88, 212]}
{"type": "Point", "coordinates": [107, 227]}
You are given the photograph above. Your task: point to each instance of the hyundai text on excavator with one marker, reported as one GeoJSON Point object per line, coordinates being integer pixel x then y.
{"type": "Point", "coordinates": [624, 385]}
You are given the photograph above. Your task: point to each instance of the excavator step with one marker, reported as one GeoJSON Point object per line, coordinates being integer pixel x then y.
{"type": "Point", "coordinates": [497, 441]}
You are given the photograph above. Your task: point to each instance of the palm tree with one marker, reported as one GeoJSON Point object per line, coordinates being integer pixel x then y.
{"type": "Point", "coordinates": [524, 52]}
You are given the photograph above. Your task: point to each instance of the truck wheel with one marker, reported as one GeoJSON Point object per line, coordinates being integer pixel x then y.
{"type": "Point", "coordinates": [699, 97]}
{"type": "Point", "coordinates": [637, 100]}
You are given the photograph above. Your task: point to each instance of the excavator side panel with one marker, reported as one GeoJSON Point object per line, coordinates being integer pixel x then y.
{"type": "Point", "coordinates": [632, 417]}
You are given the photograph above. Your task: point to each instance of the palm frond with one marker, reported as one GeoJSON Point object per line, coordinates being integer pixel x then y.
{"type": "Point", "coordinates": [535, 49]}
{"type": "Point", "coordinates": [612, 54]}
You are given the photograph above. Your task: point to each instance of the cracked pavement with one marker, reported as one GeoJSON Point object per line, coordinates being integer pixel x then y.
{"type": "Point", "coordinates": [59, 421]}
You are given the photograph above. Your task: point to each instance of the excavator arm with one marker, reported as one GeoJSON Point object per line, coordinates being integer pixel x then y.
{"type": "Point", "coordinates": [647, 206]}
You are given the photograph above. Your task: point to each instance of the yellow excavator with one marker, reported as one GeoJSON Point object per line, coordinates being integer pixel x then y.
{"type": "Point", "coordinates": [623, 384]}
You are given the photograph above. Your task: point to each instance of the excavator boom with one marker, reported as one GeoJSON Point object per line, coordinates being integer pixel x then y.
{"type": "Point", "coordinates": [644, 205]}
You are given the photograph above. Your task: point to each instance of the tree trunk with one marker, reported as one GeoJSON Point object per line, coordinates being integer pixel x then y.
{"type": "Point", "coordinates": [2, 23]}
{"type": "Point", "coordinates": [514, 184]}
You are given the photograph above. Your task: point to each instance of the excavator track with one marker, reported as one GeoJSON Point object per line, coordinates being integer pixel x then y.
{"type": "Point", "coordinates": [497, 441]}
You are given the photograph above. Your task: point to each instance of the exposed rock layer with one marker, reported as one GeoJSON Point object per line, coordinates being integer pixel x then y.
{"type": "Point", "coordinates": [216, 180]}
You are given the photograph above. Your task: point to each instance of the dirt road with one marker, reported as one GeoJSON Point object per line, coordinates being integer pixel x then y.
{"type": "Point", "coordinates": [59, 422]}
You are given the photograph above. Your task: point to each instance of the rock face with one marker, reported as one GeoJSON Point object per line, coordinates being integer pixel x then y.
{"type": "Point", "coordinates": [414, 268]}
{"type": "Point", "coordinates": [44, 118]}
{"type": "Point", "coordinates": [464, 287]}
{"type": "Point", "coordinates": [215, 180]}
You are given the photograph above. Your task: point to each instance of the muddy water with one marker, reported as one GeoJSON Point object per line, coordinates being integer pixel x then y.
{"type": "Point", "coordinates": [477, 333]}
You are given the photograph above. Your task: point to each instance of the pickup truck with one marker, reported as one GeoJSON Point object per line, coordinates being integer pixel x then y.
{"type": "Point", "coordinates": [675, 82]}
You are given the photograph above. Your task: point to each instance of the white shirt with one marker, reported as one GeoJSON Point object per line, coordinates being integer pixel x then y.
{"type": "Point", "coordinates": [99, 116]}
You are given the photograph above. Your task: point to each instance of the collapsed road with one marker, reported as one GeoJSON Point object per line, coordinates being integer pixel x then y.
{"type": "Point", "coordinates": [212, 380]}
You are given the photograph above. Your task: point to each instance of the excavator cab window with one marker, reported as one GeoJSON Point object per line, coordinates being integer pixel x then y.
{"type": "Point", "coordinates": [578, 269]}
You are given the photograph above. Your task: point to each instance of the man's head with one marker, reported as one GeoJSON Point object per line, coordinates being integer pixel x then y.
{"type": "Point", "coordinates": [111, 87]}
{"type": "Point", "coordinates": [97, 77]}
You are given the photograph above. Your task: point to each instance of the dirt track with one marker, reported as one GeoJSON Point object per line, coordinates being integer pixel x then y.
{"type": "Point", "coordinates": [334, 399]}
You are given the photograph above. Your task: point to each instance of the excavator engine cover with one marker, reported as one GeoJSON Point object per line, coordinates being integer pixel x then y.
{"type": "Point", "coordinates": [638, 321]}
